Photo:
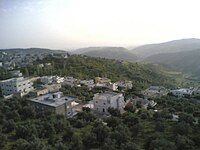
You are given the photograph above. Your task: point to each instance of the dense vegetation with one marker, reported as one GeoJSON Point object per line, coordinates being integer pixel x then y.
{"type": "Point", "coordinates": [24, 128]}
{"type": "Point", "coordinates": [21, 127]}
{"type": "Point", "coordinates": [82, 67]}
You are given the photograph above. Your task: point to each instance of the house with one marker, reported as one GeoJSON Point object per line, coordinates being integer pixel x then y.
{"type": "Point", "coordinates": [56, 103]}
{"type": "Point", "coordinates": [57, 79]}
{"type": "Point", "coordinates": [52, 87]}
{"type": "Point", "coordinates": [102, 80]}
{"type": "Point", "coordinates": [144, 103]}
{"type": "Point", "coordinates": [39, 92]}
{"type": "Point", "coordinates": [20, 86]}
{"type": "Point", "coordinates": [125, 84]}
{"type": "Point", "coordinates": [46, 79]}
{"type": "Point", "coordinates": [71, 81]}
{"type": "Point", "coordinates": [109, 85]}
{"type": "Point", "coordinates": [72, 106]}
{"type": "Point", "coordinates": [106, 100]}
{"type": "Point", "coordinates": [181, 92]}
{"type": "Point", "coordinates": [196, 92]}
{"type": "Point", "coordinates": [88, 83]}
{"type": "Point", "coordinates": [16, 73]}
{"type": "Point", "coordinates": [155, 91]}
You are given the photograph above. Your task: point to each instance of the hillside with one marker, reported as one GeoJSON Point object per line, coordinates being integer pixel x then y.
{"type": "Point", "coordinates": [187, 62]}
{"type": "Point", "coordinates": [118, 53]}
{"type": "Point", "coordinates": [31, 51]}
{"type": "Point", "coordinates": [167, 47]}
{"type": "Point", "coordinates": [142, 75]}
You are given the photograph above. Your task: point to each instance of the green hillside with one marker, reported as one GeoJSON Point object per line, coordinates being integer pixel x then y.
{"type": "Point", "coordinates": [82, 67]}
{"type": "Point", "coordinates": [187, 62]}
{"type": "Point", "coordinates": [167, 47]}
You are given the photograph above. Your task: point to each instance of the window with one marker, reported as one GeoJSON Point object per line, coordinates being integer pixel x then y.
{"type": "Point", "coordinates": [103, 110]}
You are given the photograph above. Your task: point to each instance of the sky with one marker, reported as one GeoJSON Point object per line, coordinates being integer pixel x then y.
{"type": "Point", "coordinates": [66, 24]}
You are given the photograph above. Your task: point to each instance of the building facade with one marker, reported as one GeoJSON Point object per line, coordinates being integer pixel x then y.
{"type": "Point", "coordinates": [106, 100]}
{"type": "Point", "coordinates": [21, 86]}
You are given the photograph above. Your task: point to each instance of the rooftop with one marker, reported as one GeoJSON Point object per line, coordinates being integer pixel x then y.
{"type": "Point", "coordinates": [14, 79]}
{"type": "Point", "coordinates": [53, 100]}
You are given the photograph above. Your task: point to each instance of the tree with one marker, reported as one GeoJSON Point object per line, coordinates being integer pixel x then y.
{"type": "Point", "coordinates": [3, 140]}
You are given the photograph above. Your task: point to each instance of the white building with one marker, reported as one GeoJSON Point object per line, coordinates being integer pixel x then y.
{"type": "Point", "coordinates": [106, 100]}
{"type": "Point", "coordinates": [125, 84]}
{"type": "Point", "coordinates": [21, 86]}
{"type": "Point", "coordinates": [57, 79]}
{"type": "Point", "coordinates": [46, 79]}
{"type": "Point", "coordinates": [88, 83]}
{"type": "Point", "coordinates": [1, 64]}
{"type": "Point", "coordinates": [181, 92]}
{"type": "Point", "coordinates": [155, 91]}
{"type": "Point", "coordinates": [70, 81]}
{"type": "Point", "coordinates": [111, 86]}
{"type": "Point", "coordinates": [16, 73]}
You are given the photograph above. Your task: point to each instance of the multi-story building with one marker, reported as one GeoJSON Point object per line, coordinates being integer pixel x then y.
{"type": "Point", "coordinates": [106, 100]}
{"type": "Point", "coordinates": [21, 86]}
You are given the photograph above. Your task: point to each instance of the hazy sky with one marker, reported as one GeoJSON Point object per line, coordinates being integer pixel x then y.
{"type": "Point", "coordinates": [78, 23]}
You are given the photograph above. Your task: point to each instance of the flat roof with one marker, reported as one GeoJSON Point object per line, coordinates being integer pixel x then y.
{"type": "Point", "coordinates": [48, 100]}
{"type": "Point", "coordinates": [15, 79]}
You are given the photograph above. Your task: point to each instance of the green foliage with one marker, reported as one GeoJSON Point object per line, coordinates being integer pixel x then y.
{"type": "Point", "coordinates": [83, 67]}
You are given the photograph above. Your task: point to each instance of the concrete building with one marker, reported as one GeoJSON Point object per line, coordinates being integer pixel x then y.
{"type": "Point", "coordinates": [155, 91]}
{"type": "Point", "coordinates": [144, 103]}
{"type": "Point", "coordinates": [125, 84]}
{"type": "Point", "coordinates": [52, 87]}
{"type": "Point", "coordinates": [46, 79]}
{"type": "Point", "coordinates": [70, 81]}
{"type": "Point", "coordinates": [102, 80]}
{"type": "Point", "coordinates": [56, 103]}
{"type": "Point", "coordinates": [88, 83]}
{"type": "Point", "coordinates": [39, 92]}
{"type": "Point", "coordinates": [181, 92]}
{"type": "Point", "coordinates": [106, 100]}
{"type": "Point", "coordinates": [57, 79]}
{"type": "Point", "coordinates": [16, 73]}
{"type": "Point", "coordinates": [109, 85]}
{"type": "Point", "coordinates": [21, 86]}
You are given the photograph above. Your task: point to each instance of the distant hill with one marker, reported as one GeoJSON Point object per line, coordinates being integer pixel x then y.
{"type": "Point", "coordinates": [32, 51]}
{"type": "Point", "coordinates": [168, 47]}
{"type": "Point", "coordinates": [187, 61]}
{"type": "Point", "coordinates": [118, 53]}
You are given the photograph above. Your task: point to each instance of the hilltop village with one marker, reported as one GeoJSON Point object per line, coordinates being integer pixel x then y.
{"type": "Point", "coordinates": [50, 103]}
